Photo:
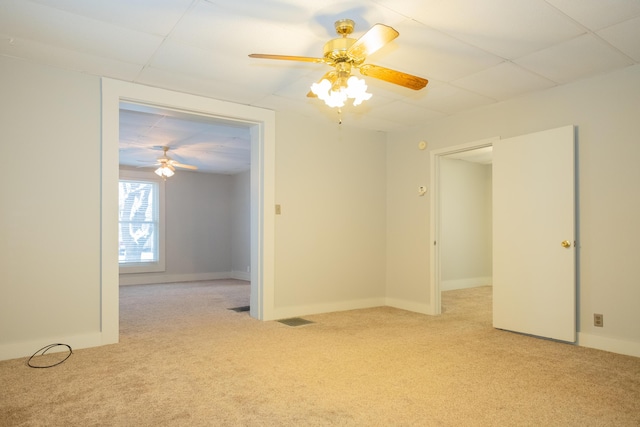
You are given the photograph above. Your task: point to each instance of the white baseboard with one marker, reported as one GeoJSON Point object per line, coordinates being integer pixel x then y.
{"type": "Point", "coordinates": [614, 345]}
{"type": "Point", "coordinates": [241, 275]}
{"type": "Point", "coordinates": [27, 348]}
{"type": "Point", "coordinates": [146, 279]}
{"type": "Point", "coordinates": [416, 307]}
{"type": "Point", "coordinates": [287, 312]}
{"type": "Point", "coordinates": [472, 282]}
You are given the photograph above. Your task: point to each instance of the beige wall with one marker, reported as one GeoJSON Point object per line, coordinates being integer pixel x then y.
{"type": "Point", "coordinates": [330, 183]}
{"type": "Point", "coordinates": [50, 209]}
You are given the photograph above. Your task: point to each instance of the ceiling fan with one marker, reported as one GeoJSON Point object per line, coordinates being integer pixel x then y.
{"type": "Point", "coordinates": [167, 166]}
{"type": "Point", "coordinates": [345, 53]}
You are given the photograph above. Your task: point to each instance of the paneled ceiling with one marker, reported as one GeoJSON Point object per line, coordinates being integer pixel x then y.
{"type": "Point", "coordinates": [211, 144]}
{"type": "Point", "coordinates": [474, 53]}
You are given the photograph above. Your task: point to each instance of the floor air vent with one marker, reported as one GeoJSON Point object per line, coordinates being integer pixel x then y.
{"type": "Point", "coordinates": [240, 309]}
{"type": "Point", "coordinates": [295, 321]}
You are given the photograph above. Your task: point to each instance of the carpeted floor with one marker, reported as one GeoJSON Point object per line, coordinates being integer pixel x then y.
{"type": "Point", "coordinates": [186, 359]}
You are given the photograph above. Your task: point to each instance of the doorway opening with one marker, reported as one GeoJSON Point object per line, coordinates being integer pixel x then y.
{"type": "Point", "coordinates": [461, 251]}
{"type": "Point", "coordinates": [261, 124]}
{"type": "Point", "coordinates": [206, 235]}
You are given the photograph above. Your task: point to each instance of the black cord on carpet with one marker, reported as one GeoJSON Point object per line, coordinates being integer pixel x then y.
{"type": "Point", "coordinates": [43, 350]}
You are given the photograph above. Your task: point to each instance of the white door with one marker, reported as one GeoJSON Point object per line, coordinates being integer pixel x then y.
{"type": "Point", "coordinates": [534, 280]}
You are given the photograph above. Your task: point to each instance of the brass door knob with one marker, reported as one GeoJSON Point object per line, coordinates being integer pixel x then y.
{"type": "Point", "coordinates": [566, 244]}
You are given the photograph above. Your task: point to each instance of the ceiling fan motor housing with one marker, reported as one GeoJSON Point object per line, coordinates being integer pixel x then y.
{"type": "Point", "coordinates": [336, 50]}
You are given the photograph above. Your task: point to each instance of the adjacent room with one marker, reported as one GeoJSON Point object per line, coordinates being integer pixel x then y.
{"type": "Point", "coordinates": [184, 197]}
{"type": "Point", "coordinates": [203, 230]}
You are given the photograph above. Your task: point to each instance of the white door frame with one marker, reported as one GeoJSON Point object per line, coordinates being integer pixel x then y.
{"type": "Point", "coordinates": [262, 123]}
{"type": "Point", "coordinates": [435, 261]}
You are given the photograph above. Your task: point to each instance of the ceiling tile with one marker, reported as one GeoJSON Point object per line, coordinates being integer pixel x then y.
{"type": "Point", "coordinates": [431, 54]}
{"type": "Point", "coordinates": [240, 37]}
{"type": "Point", "coordinates": [68, 59]}
{"type": "Point", "coordinates": [503, 81]}
{"type": "Point", "coordinates": [301, 105]}
{"type": "Point", "coordinates": [150, 16]}
{"type": "Point", "coordinates": [217, 89]}
{"type": "Point", "coordinates": [597, 14]}
{"type": "Point", "coordinates": [449, 99]}
{"type": "Point", "coordinates": [625, 36]}
{"type": "Point", "coordinates": [74, 32]}
{"type": "Point", "coordinates": [277, 11]}
{"type": "Point", "coordinates": [208, 143]}
{"type": "Point", "coordinates": [298, 88]}
{"type": "Point", "coordinates": [507, 28]}
{"type": "Point", "coordinates": [259, 76]}
{"type": "Point", "coordinates": [365, 13]}
{"type": "Point", "coordinates": [578, 58]}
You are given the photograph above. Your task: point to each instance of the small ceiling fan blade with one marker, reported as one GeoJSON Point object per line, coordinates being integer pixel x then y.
{"type": "Point", "coordinates": [393, 76]}
{"type": "Point", "coordinates": [183, 166]}
{"type": "Point", "coordinates": [371, 41]}
{"type": "Point", "coordinates": [329, 76]}
{"type": "Point", "coordinates": [287, 57]}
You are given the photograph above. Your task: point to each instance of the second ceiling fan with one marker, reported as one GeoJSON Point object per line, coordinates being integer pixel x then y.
{"type": "Point", "coordinates": [167, 166]}
{"type": "Point", "coordinates": [344, 54]}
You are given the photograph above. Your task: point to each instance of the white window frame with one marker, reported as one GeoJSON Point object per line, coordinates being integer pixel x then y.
{"type": "Point", "coordinates": [148, 267]}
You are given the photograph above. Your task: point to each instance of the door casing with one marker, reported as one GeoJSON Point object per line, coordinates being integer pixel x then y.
{"type": "Point", "coordinates": [262, 214]}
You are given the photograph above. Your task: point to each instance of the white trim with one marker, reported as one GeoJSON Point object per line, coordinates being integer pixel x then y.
{"type": "Point", "coordinates": [262, 124]}
{"type": "Point", "coordinates": [614, 345]}
{"type": "Point", "coordinates": [287, 312]}
{"type": "Point", "coordinates": [417, 307]}
{"type": "Point", "coordinates": [149, 279]}
{"type": "Point", "coordinates": [76, 342]}
{"type": "Point", "coordinates": [434, 252]}
{"type": "Point", "coordinates": [472, 282]}
{"type": "Point", "coordinates": [240, 275]}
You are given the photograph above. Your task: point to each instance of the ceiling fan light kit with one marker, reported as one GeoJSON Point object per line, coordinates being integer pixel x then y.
{"type": "Point", "coordinates": [164, 172]}
{"type": "Point", "coordinates": [167, 166]}
{"type": "Point", "coordinates": [345, 86]}
{"type": "Point", "coordinates": [344, 54]}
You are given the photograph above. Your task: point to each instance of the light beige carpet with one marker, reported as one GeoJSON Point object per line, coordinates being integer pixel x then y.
{"type": "Point", "coordinates": [185, 359]}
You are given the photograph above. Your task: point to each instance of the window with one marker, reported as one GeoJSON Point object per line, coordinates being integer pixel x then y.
{"type": "Point", "coordinates": [140, 223]}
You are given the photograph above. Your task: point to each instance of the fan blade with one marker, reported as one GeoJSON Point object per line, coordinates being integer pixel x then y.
{"type": "Point", "coordinates": [371, 41]}
{"type": "Point", "coordinates": [329, 76]}
{"type": "Point", "coordinates": [287, 58]}
{"type": "Point", "coordinates": [180, 165]}
{"type": "Point", "coordinates": [393, 76]}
